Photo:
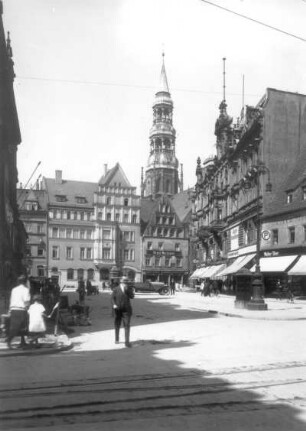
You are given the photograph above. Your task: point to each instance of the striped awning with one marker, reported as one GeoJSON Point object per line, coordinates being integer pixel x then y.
{"type": "Point", "coordinates": [239, 263]}
{"type": "Point", "coordinates": [275, 264]}
{"type": "Point", "coordinates": [299, 268]}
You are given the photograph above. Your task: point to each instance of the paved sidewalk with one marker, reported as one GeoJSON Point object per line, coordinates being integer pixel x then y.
{"type": "Point", "coordinates": [277, 309]}
{"type": "Point", "coordinates": [222, 305]}
{"type": "Point", "coordinates": [48, 345]}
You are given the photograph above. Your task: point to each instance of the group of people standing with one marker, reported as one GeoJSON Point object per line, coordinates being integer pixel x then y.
{"type": "Point", "coordinates": [26, 315]}
{"type": "Point", "coordinates": [210, 287]}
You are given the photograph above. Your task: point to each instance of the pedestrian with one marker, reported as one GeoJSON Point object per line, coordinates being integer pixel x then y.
{"type": "Point", "coordinates": [121, 296]}
{"type": "Point", "coordinates": [202, 286]}
{"type": "Point", "coordinates": [89, 289]}
{"type": "Point", "coordinates": [81, 290]}
{"type": "Point", "coordinates": [19, 303]}
{"type": "Point", "coordinates": [172, 287]}
{"type": "Point", "coordinates": [37, 325]}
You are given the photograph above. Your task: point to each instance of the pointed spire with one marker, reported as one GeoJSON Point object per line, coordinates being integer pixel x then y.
{"type": "Point", "coordinates": [163, 82]}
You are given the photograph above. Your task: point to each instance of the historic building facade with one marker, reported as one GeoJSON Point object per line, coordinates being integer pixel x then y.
{"type": "Point", "coordinates": [117, 226]}
{"type": "Point", "coordinates": [12, 233]}
{"type": "Point", "coordinates": [165, 208]}
{"type": "Point", "coordinates": [70, 229]}
{"type": "Point", "coordinates": [93, 228]}
{"type": "Point", "coordinates": [33, 208]}
{"type": "Point", "coordinates": [238, 189]}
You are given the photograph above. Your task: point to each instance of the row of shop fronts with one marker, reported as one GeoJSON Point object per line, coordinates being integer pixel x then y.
{"type": "Point", "coordinates": [275, 266]}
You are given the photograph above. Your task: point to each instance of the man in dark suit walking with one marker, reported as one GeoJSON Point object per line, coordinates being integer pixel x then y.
{"type": "Point", "coordinates": [122, 307]}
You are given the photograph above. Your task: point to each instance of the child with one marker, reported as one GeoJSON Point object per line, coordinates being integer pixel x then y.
{"type": "Point", "coordinates": [37, 326]}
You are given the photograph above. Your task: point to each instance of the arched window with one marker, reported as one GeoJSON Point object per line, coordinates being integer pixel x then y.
{"type": "Point", "coordinates": [108, 216]}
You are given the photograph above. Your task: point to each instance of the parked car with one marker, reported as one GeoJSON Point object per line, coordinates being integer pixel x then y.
{"type": "Point", "coordinates": [152, 286]}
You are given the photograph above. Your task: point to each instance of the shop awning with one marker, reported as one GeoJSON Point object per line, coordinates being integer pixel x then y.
{"type": "Point", "coordinates": [203, 271]}
{"type": "Point", "coordinates": [299, 268]}
{"type": "Point", "coordinates": [196, 273]}
{"type": "Point", "coordinates": [275, 264]}
{"type": "Point", "coordinates": [239, 263]}
{"type": "Point", "coordinates": [217, 269]}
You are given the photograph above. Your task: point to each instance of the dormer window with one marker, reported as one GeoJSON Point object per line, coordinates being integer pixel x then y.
{"type": "Point", "coordinates": [31, 206]}
{"type": "Point", "coordinates": [81, 199]}
{"type": "Point", "coordinates": [60, 198]}
{"type": "Point", "coordinates": [289, 197]}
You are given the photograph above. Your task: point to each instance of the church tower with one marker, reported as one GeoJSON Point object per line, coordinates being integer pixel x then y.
{"type": "Point", "coordinates": [162, 172]}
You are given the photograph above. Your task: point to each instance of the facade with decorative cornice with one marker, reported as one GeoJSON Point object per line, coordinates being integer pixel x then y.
{"type": "Point", "coordinates": [235, 189]}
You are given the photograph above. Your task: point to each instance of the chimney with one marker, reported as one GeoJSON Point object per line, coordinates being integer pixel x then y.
{"type": "Point", "coordinates": [58, 177]}
{"type": "Point", "coordinates": [105, 169]}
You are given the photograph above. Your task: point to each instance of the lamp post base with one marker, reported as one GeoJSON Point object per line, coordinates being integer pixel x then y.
{"type": "Point", "coordinates": [257, 304]}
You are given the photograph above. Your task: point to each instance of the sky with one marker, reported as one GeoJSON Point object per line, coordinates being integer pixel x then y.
{"type": "Point", "coordinates": [87, 72]}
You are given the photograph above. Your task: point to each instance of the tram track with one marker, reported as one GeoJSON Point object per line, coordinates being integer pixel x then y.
{"type": "Point", "coordinates": [146, 396]}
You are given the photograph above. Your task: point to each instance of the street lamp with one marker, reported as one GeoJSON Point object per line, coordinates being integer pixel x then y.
{"type": "Point", "coordinates": [257, 302]}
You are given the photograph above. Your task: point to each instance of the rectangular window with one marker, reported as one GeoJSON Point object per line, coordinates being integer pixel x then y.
{"type": "Point", "coordinates": [70, 274]}
{"type": "Point", "coordinates": [106, 253]}
{"type": "Point", "coordinates": [89, 253]}
{"type": "Point", "coordinates": [157, 261]}
{"type": "Point", "coordinates": [125, 218]}
{"type": "Point", "coordinates": [275, 236]}
{"type": "Point", "coordinates": [82, 253]}
{"type": "Point", "coordinates": [178, 262]}
{"type": "Point", "coordinates": [55, 232]}
{"type": "Point", "coordinates": [88, 234]}
{"type": "Point", "coordinates": [160, 245]}
{"type": "Point", "coordinates": [69, 253]}
{"type": "Point", "coordinates": [132, 254]}
{"type": "Point", "coordinates": [148, 261]}
{"type": "Point", "coordinates": [68, 215]}
{"type": "Point", "coordinates": [55, 252]}
{"type": "Point", "coordinates": [76, 234]}
{"type": "Point", "coordinates": [289, 197]}
{"type": "Point", "coordinates": [62, 233]}
{"type": "Point", "coordinates": [40, 251]}
{"type": "Point", "coordinates": [132, 236]}
{"type": "Point", "coordinates": [167, 261]}
{"type": "Point", "coordinates": [149, 246]}
{"type": "Point", "coordinates": [58, 214]}
{"type": "Point", "coordinates": [291, 232]}
{"type": "Point", "coordinates": [82, 234]}
{"type": "Point", "coordinates": [68, 233]}
{"type": "Point", "coordinates": [304, 193]}
{"type": "Point", "coordinates": [117, 217]}
{"type": "Point", "coordinates": [40, 271]}
{"type": "Point", "coordinates": [134, 218]}
{"type": "Point", "coordinates": [126, 236]}
{"type": "Point", "coordinates": [39, 228]}
{"type": "Point", "coordinates": [126, 254]}
{"type": "Point", "coordinates": [177, 246]}
{"type": "Point", "coordinates": [106, 234]}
